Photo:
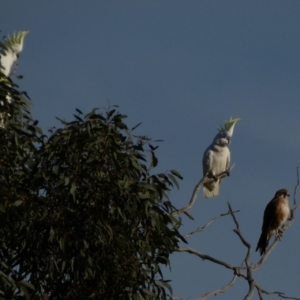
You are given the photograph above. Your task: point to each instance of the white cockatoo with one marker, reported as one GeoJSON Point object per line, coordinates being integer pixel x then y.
{"type": "Point", "coordinates": [13, 46]}
{"type": "Point", "coordinates": [10, 49]}
{"type": "Point", "coordinates": [216, 158]}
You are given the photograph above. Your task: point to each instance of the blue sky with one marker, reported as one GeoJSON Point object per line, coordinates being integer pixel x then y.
{"type": "Point", "coordinates": [182, 68]}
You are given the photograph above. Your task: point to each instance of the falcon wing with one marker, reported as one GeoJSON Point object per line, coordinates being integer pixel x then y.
{"type": "Point", "coordinates": [269, 215]}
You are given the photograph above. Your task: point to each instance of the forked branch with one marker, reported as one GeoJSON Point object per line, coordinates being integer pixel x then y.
{"type": "Point", "coordinates": [246, 269]}
{"type": "Point", "coordinates": [197, 188]}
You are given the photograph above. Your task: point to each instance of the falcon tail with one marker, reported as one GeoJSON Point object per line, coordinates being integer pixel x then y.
{"type": "Point", "coordinates": [262, 243]}
{"type": "Point", "coordinates": [211, 189]}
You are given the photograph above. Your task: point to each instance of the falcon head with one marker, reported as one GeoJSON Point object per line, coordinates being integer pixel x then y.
{"type": "Point", "coordinates": [283, 193]}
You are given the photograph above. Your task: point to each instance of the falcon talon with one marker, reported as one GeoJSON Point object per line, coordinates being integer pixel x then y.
{"type": "Point", "coordinates": [280, 231]}
{"type": "Point", "coordinates": [279, 234]}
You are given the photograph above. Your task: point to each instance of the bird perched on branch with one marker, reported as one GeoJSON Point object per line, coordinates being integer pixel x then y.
{"type": "Point", "coordinates": [216, 158]}
{"type": "Point", "coordinates": [10, 49]}
{"type": "Point", "coordinates": [276, 213]}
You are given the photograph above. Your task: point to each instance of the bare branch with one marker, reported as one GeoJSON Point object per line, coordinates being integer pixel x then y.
{"type": "Point", "coordinates": [251, 290]}
{"type": "Point", "coordinates": [220, 290]}
{"type": "Point", "coordinates": [280, 294]}
{"type": "Point", "coordinates": [246, 265]}
{"type": "Point", "coordinates": [200, 229]}
{"type": "Point", "coordinates": [260, 294]}
{"type": "Point", "coordinates": [208, 257]}
{"type": "Point", "coordinates": [266, 254]}
{"type": "Point", "coordinates": [204, 180]}
{"type": "Point", "coordinates": [249, 277]}
{"type": "Point", "coordinates": [296, 186]}
{"type": "Point", "coordinates": [238, 232]}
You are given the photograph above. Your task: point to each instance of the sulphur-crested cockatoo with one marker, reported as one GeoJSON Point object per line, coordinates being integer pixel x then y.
{"type": "Point", "coordinates": [216, 158]}
{"type": "Point", "coordinates": [13, 46]}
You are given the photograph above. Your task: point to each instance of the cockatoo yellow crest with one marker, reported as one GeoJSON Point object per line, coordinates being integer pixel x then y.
{"type": "Point", "coordinates": [229, 126]}
{"type": "Point", "coordinates": [10, 48]}
{"type": "Point", "coordinates": [13, 47]}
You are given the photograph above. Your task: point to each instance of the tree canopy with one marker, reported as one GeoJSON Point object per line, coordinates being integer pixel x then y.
{"type": "Point", "coordinates": [82, 213]}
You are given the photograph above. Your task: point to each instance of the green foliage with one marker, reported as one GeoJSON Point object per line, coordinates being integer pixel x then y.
{"type": "Point", "coordinates": [82, 215]}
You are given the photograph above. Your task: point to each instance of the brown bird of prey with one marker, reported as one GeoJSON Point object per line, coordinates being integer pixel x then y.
{"type": "Point", "coordinates": [276, 213]}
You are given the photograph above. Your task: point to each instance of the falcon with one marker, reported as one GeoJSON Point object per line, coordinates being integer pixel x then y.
{"type": "Point", "coordinates": [216, 159]}
{"type": "Point", "coordinates": [276, 213]}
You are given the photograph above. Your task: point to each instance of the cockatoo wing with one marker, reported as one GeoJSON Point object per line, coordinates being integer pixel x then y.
{"type": "Point", "coordinates": [210, 189]}
{"type": "Point", "coordinates": [207, 161]}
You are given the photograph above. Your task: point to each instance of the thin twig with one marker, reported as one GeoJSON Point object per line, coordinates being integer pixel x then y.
{"type": "Point", "coordinates": [249, 277]}
{"type": "Point", "coordinates": [208, 257]}
{"type": "Point", "coordinates": [280, 294]}
{"type": "Point", "coordinates": [220, 290]}
{"type": "Point", "coordinates": [200, 229]}
{"type": "Point", "coordinates": [296, 186]}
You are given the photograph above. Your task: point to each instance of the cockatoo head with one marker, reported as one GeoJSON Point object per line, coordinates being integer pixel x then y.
{"type": "Point", "coordinates": [12, 47]}
{"type": "Point", "coordinates": [225, 133]}
{"type": "Point", "coordinates": [16, 41]}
